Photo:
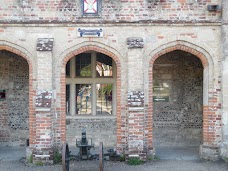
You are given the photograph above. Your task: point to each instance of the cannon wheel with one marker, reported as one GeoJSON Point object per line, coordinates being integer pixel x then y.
{"type": "Point", "coordinates": [101, 156]}
{"type": "Point", "coordinates": [65, 157]}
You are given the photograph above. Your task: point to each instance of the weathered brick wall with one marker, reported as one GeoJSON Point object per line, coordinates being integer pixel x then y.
{"type": "Point", "coordinates": [14, 74]}
{"type": "Point", "coordinates": [112, 11]}
{"type": "Point", "coordinates": [178, 119]}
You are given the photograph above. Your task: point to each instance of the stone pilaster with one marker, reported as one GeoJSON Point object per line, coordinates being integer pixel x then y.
{"type": "Point", "coordinates": [43, 150]}
{"type": "Point", "coordinates": [135, 98]}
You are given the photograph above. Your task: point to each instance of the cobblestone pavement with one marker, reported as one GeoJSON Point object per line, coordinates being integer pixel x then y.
{"type": "Point", "coordinates": [159, 165]}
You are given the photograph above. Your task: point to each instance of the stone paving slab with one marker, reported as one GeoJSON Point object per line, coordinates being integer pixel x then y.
{"type": "Point", "coordinates": [160, 165]}
{"type": "Point", "coordinates": [12, 159]}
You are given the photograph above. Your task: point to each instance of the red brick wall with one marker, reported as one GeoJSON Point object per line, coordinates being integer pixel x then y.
{"type": "Point", "coordinates": [118, 10]}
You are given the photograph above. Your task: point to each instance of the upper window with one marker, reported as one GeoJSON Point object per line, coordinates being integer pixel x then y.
{"type": "Point", "coordinates": [91, 7]}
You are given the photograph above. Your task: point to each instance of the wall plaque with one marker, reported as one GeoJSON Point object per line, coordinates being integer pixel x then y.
{"type": "Point", "coordinates": [135, 42]}
{"type": "Point", "coordinates": [2, 94]}
{"type": "Point", "coordinates": [43, 98]}
{"type": "Point", "coordinates": [161, 92]}
{"type": "Point", "coordinates": [90, 32]}
{"type": "Point", "coordinates": [44, 44]}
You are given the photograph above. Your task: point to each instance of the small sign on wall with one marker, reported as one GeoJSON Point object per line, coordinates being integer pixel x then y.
{"type": "Point", "coordinates": [2, 94]}
{"type": "Point", "coordinates": [161, 92]}
{"type": "Point", "coordinates": [90, 32]}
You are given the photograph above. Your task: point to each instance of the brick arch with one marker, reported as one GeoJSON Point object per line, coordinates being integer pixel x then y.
{"type": "Point", "coordinates": [207, 63]}
{"type": "Point", "coordinates": [27, 56]}
{"type": "Point", "coordinates": [118, 86]}
{"type": "Point", "coordinates": [184, 48]}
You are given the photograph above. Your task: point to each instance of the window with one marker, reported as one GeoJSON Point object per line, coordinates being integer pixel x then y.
{"type": "Point", "coordinates": [90, 85]}
{"type": "Point", "coordinates": [91, 7]}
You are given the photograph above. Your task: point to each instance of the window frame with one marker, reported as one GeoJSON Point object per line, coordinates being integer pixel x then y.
{"type": "Point", "coordinates": [97, 14]}
{"type": "Point", "coordinates": [94, 80]}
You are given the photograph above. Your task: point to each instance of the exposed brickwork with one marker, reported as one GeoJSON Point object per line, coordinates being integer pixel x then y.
{"type": "Point", "coordinates": [117, 11]}
{"type": "Point", "coordinates": [135, 124]}
{"type": "Point", "coordinates": [163, 26]}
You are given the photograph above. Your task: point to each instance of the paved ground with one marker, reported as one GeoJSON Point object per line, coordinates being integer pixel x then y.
{"type": "Point", "coordinates": [176, 159]}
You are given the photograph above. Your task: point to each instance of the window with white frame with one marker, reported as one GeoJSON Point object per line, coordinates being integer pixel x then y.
{"type": "Point", "coordinates": [90, 85]}
{"type": "Point", "coordinates": [91, 8]}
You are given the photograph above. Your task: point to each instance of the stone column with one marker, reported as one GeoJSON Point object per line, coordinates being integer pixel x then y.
{"type": "Point", "coordinates": [224, 145]}
{"type": "Point", "coordinates": [44, 139]}
{"type": "Point", "coordinates": [135, 99]}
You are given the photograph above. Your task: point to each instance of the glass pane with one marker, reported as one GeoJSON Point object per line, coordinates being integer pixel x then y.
{"type": "Point", "coordinates": [104, 98]}
{"type": "Point", "coordinates": [103, 65]}
{"type": "Point", "coordinates": [68, 69]}
{"type": "Point", "coordinates": [83, 96]}
{"type": "Point", "coordinates": [67, 99]}
{"type": "Point", "coordinates": [83, 65]}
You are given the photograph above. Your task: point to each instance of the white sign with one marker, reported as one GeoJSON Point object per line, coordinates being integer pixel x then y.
{"type": "Point", "coordinates": [90, 32]}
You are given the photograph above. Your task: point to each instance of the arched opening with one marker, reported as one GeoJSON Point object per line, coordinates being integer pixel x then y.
{"type": "Point", "coordinates": [91, 98]}
{"type": "Point", "coordinates": [14, 99]}
{"type": "Point", "coordinates": [177, 105]}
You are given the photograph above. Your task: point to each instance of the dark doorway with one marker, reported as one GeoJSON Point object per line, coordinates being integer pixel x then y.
{"type": "Point", "coordinates": [177, 102]}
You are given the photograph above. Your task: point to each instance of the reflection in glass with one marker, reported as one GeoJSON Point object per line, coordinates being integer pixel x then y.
{"type": "Point", "coordinates": [83, 65]}
{"type": "Point", "coordinates": [104, 98]}
{"type": "Point", "coordinates": [83, 96]}
{"type": "Point", "coordinates": [68, 69]}
{"type": "Point", "coordinates": [67, 99]}
{"type": "Point", "coordinates": [103, 65]}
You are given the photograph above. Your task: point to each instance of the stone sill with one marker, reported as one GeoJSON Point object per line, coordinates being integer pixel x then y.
{"type": "Point", "coordinates": [43, 109]}
{"type": "Point", "coordinates": [91, 117]}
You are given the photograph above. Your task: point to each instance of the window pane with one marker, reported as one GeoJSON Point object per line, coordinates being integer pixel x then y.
{"type": "Point", "coordinates": [68, 69]}
{"type": "Point", "coordinates": [103, 65]}
{"type": "Point", "coordinates": [83, 96]}
{"type": "Point", "coordinates": [83, 65]}
{"type": "Point", "coordinates": [67, 99]}
{"type": "Point", "coordinates": [104, 98]}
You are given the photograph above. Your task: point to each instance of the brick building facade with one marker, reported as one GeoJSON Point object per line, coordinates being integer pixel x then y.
{"type": "Point", "coordinates": [134, 73]}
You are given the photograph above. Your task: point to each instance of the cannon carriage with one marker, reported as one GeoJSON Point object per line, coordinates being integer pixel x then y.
{"type": "Point", "coordinates": [84, 153]}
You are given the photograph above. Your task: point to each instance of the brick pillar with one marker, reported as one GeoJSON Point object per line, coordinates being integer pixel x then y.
{"type": "Point", "coordinates": [136, 99]}
{"type": "Point", "coordinates": [43, 150]}
{"type": "Point", "coordinates": [211, 118]}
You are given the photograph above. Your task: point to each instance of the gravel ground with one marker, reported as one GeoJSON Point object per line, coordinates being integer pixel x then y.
{"type": "Point", "coordinates": [159, 165]}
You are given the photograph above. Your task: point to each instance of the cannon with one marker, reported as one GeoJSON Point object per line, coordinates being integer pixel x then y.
{"type": "Point", "coordinates": [84, 146]}
{"type": "Point", "coordinates": [84, 152]}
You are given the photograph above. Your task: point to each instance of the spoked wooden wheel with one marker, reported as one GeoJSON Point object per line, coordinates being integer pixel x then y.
{"type": "Point", "coordinates": [65, 157]}
{"type": "Point", "coordinates": [101, 157]}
